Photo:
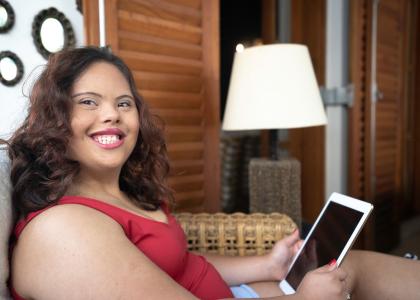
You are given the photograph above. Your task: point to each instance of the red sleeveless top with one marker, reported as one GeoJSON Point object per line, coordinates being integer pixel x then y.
{"type": "Point", "coordinates": [154, 238]}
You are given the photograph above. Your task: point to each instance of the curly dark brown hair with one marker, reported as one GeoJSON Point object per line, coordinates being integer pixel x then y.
{"type": "Point", "coordinates": [41, 172]}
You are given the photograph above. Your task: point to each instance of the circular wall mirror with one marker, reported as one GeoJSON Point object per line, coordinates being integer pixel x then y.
{"type": "Point", "coordinates": [52, 32]}
{"type": "Point", "coordinates": [52, 28]}
{"type": "Point", "coordinates": [11, 68]}
{"type": "Point", "coordinates": [7, 16]}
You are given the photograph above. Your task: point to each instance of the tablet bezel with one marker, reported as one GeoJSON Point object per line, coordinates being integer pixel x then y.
{"type": "Point", "coordinates": [361, 206]}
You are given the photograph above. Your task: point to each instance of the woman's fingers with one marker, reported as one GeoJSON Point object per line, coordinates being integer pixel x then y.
{"type": "Point", "coordinates": [292, 239]}
{"type": "Point", "coordinates": [342, 275]}
{"type": "Point", "coordinates": [331, 266]}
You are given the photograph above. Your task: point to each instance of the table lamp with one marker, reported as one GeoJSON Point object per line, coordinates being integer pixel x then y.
{"type": "Point", "coordinates": [273, 87]}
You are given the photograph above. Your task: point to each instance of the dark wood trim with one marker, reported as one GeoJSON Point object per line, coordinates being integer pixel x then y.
{"type": "Point", "coordinates": [368, 237]}
{"type": "Point", "coordinates": [415, 202]}
{"type": "Point", "coordinates": [308, 144]}
{"type": "Point", "coordinates": [269, 36]}
{"type": "Point", "coordinates": [408, 116]}
{"type": "Point", "coordinates": [357, 70]}
{"type": "Point", "coordinates": [211, 75]}
{"type": "Point", "coordinates": [111, 24]}
{"type": "Point", "coordinates": [359, 114]}
{"type": "Point", "coordinates": [268, 21]}
{"type": "Point", "coordinates": [91, 22]}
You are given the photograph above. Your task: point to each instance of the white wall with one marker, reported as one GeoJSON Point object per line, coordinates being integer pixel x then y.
{"type": "Point", "coordinates": [13, 103]}
{"type": "Point", "coordinates": [337, 75]}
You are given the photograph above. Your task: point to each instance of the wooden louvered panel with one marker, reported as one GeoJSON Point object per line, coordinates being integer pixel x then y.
{"type": "Point", "coordinates": [386, 134]}
{"type": "Point", "coordinates": [389, 111]}
{"type": "Point", "coordinates": [162, 10]}
{"type": "Point", "coordinates": [188, 200]}
{"type": "Point", "coordinates": [195, 197]}
{"type": "Point", "coordinates": [148, 44]}
{"type": "Point", "coordinates": [168, 82]}
{"type": "Point", "coordinates": [157, 27]}
{"type": "Point", "coordinates": [382, 190]}
{"type": "Point", "coordinates": [186, 150]}
{"type": "Point", "coordinates": [172, 48]}
{"type": "Point", "coordinates": [385, 120]}
{"type": "Point", "coordinates": [173, 100]}
{"type": "Point", "coordinates": [376, 127]}
{"type": "Point", "coordinates": [388, 105]}
{"type": "Point", "coordinates": [385, 153]}
{"type": "Point", "coordinates": [187, 167]}
{"type": "Point", "coordinates": [389, 80]}
{"type": "Point", "coordinates": [386, 61]}
{"type": "Point", "coordinates": [386, 165]}
{"type": "Point", "coordinates": [390, 43]}
{"type": "Point", "coordinates": [177, 117]}
{"type": "Point", "coordinates": [189, 3]}
{"type": "Point", "coordinates": [161, 64]}
{"type": "Point", "coordinates": [389, 92]}
{"type": "Point", "coordinates": [184, 134]}
{"type": "Point", "coordinates": [187, 183]}
{"type": "Point", "coordinates": [174, 147]}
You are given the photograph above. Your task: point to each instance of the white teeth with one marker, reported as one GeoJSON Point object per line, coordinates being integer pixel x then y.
{"type": "Point", "coordinates": [106, 139]}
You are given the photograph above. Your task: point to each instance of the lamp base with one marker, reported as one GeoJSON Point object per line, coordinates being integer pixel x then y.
{"type": "Point", "coordinates": [274, 186]}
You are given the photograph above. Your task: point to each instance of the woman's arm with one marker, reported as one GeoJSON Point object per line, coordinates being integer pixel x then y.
{"type": "Point", "coordinates": [246, 269]}
{"type": "Point", "coordinates": [75, 252]}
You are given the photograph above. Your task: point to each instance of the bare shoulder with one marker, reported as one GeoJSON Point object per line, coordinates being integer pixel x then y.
{"type": "Point", "coordinates": [73, 251]}
{"type": "Point", "coordinates": [57, 222]}
{"type": "Point", "coordinates": [59, 237]}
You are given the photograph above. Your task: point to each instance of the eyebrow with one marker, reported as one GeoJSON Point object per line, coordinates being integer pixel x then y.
{"type": "Point", "coordinates": [86, 93]}
{"type": "Point", "coordinates": [100, 96]}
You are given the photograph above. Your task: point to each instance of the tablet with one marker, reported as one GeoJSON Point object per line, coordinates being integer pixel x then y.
{"type": "Point", "coordinates": [332, 235]}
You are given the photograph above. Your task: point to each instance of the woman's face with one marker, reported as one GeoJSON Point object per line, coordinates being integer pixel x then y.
{"type": "Point", "coordinates": [104, 120]}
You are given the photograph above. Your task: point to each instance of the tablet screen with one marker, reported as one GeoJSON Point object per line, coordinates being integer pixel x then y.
{"type": "Point", "coordinates": [334, 230]}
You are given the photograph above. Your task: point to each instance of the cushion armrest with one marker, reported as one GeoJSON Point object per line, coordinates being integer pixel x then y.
{"type": "Point", "coordinates": [234, 234]}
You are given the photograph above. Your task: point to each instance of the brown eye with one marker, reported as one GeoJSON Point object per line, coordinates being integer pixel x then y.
{"type": "Point", "coordinates": [125, 103]}
{"type": "Point", "coordinates": [88, 102]}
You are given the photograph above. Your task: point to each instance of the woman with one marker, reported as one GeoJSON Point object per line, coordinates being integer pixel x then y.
{"type": "Point", "coordinates": [88, 174]}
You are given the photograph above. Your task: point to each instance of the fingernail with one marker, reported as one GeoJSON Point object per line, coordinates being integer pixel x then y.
{"type": "Point", "coordinates": [332, 262]}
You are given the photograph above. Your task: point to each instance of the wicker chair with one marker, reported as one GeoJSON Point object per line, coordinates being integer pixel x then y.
{"type": "Point", "coordinates": [227, 234]}
{"type": "Point", "coordinates": [234, 234]}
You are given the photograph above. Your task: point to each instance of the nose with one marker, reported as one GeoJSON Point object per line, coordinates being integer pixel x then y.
{"type": "Point", "coordinates": [110, 113]}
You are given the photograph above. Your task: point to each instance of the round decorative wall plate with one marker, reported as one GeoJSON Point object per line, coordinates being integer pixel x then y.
{"type": "Point", "coordinates": [7, 16]}
{"type": "Point", "coordinates": [11, 68]}
{"type": "Point", "coordinates": [52, 32]}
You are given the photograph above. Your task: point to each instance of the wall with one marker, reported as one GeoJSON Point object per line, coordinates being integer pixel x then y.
{"type": "Point", "coordinates": [13, 103]}
{"type": "Point", "coordinates": [337, 75]}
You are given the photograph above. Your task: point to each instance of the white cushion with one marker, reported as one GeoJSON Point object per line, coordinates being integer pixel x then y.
{"type": "Point", "coordinates": [5, 222]}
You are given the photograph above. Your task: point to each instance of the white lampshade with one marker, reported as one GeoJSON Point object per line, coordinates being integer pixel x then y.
{"type": "Point", "coordinates": [273, 87]}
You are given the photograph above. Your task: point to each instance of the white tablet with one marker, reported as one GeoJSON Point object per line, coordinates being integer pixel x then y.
{"type": "Point", "coordinates": [332, 235]}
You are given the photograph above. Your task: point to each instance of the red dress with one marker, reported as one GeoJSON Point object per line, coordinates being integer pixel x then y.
{"type": "Point", "coordinates": [154, 239]}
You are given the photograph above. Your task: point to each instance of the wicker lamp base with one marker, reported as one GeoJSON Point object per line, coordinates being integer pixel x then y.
{"type": "Point", "coordinates": [274, 186]}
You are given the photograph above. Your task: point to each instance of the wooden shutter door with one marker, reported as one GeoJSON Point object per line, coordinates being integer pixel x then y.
{"type": "Point", "coordinates": [172, 47]}
{"type": "Point", "coordinates": [377, 117]}
{"type": "Point", "coordinates": [389, 106]}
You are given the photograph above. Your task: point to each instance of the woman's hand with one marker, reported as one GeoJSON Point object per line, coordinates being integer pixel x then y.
{"type": "Point", "coordinates": [282, 254]}
{"type": "Point", "coordinates": [327, 282]}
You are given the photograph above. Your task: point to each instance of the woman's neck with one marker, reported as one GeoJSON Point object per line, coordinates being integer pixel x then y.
{"type": "Point", "coordinates": [101, 186]}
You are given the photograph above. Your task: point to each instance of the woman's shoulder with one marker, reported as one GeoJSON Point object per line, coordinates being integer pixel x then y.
{"type": "Point", "coordinates": [61, 220]}
{"type": "Point", "coordinates": [60, 238]}
{"type": "Point", "coordinates": [70, 246]}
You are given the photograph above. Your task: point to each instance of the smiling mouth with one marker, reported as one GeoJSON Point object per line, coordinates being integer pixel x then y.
{"type": "Point", "coordinates": [107, 139]}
